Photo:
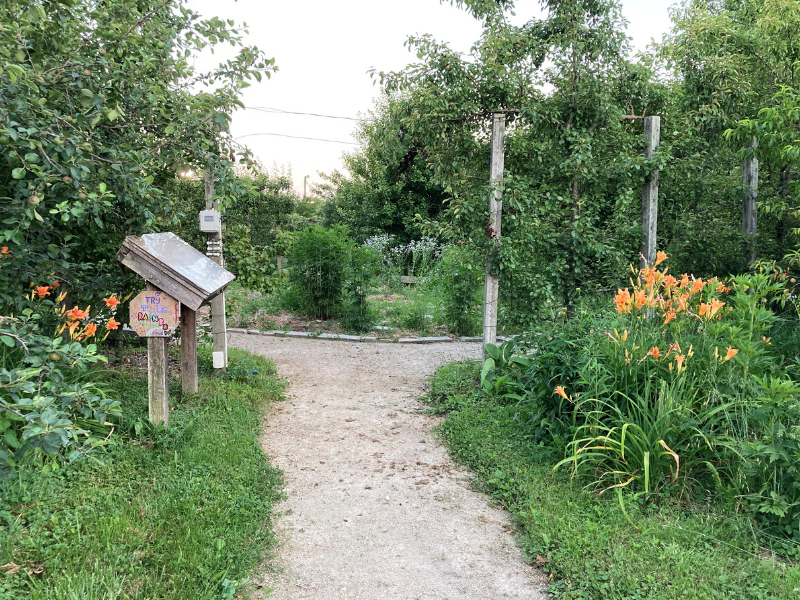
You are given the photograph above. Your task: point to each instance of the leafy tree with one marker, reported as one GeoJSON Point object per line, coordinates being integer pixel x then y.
{"type": "Point", "coordinates": [100, 105]}
{"type": "Point", "coordinates": [390, 183]}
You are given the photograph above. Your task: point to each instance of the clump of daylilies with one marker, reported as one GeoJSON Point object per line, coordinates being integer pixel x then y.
{"type": "Point", "coordinates": [656, 294]}
{"type": "Point", "coordinates": [78, 322]}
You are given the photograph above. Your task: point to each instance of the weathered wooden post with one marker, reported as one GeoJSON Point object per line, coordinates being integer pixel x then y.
{"type": "Point", "coordinates": [493, 230]}
{"type": "Point", "coordinates": [176, 275]}
{"type": "Point", "coordinates": [188, 350]}
{"type": "Point", "coordinates": [652, 134]}
{"type": "Point", "coordinates": [214, 250]}
{"type": "Point", "coordinates": [749, 219]}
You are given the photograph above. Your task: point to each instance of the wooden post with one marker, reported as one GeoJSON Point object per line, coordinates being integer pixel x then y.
{"type": "Point", "coordinates": [158, 389]}
{"type": "Point", "coordinates": [218, 325]}
{"type": "Point", "coordinates": [493, 230]}
{"type": "Point", "coordinates": [188, 350]}
{"type": "Point", "coordinates": [652, 134]}
{"type": "Point", "coordinates": [749, 224]}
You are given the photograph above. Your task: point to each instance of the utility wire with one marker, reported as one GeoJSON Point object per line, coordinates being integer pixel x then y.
{"type": "Point", "coordinates": [267, 109]}
{"type": "Point", "coordinates": [298, 137]}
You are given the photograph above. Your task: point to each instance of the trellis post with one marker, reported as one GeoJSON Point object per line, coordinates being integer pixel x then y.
{"type": "Point", "coordinates": [652, 134]}
{"type": "Point", "coordinates": [493, 230]}
{"type": "Point", "coordinates": [750, 183]}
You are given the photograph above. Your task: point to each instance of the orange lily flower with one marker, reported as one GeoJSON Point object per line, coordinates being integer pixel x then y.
{"type": "Point", "coordinates": [91, 328]}
{"type": "Point", "coordinates": [679, 358]}
{"type": "Point", "coordinates": [705, 309]}
{"type": "Point", "coordinates": [560, 391]}
{"type": "Point", "coordinates": [766, 340]}
{"type": "Point", "coordinates": [5, 250]}
{"type": "Point", "coordinates": [42, 291]}
{"type": "Point", "coordinates": [684, 281]}
{"type": "Point", "coordinates": [640, 298]}
{"type": "Point", "coordinates": [731, 353]}
{"type": "Point", "coordinates": [111, 302]}
{"type": "Point", "coordinates": [623, 300]}
{"type": "Point", "coordinates": [698, 285]}
{"type": "Point", "coordinates": [670, 315]}
{"type": "Point", "coordinates": [112, 324]}
{"type": "Point", "coordinates": [654, 352]}
{"type": "Point", "coordinates": [715, 306]}
{"type": "Point", "coordinates": [669, 282]}
{"type": "Point", "coordinates": [77, 314]}
{"type": "Point", "coordinates": [625, 335]}
{"type": "Point", "coordinates": [660, 257]}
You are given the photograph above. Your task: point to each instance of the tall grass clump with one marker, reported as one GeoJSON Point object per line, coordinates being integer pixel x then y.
{"type": "Point", "coordinates": [318, 261]}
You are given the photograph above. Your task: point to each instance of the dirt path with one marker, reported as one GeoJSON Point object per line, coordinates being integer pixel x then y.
{"type": "Point", "coordinates": [376, 509]}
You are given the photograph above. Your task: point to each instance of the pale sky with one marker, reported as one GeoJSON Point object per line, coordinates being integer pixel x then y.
{"type": "Point", "coordinates": [323, 50]}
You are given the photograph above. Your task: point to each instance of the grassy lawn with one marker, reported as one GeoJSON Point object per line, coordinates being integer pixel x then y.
{"type": "Point", "coordinates": [178, 512]}
{"type": "Point", "coordinates": [585, 542]}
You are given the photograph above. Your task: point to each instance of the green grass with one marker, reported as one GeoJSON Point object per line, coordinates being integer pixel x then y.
{"type": "Point", "coordinates": [181, 512]}
{"type": "Point", "coordinates": [585, 542]}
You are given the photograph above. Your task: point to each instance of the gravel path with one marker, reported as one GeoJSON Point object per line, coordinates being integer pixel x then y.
{"type": "Point", "coordinates": [376, 509]}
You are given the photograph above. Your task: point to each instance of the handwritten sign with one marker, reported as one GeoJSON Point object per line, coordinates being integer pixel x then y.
{"type": "Point", "coordinates": [154, 314]}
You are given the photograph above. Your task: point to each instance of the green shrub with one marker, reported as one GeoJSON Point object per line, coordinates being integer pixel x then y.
{"type": "Point", "coordinates": [358, 315]}
{"type": "Point", "coordinates": [318, 261]}
{"type": "Point", "coordinates": [459, 275]}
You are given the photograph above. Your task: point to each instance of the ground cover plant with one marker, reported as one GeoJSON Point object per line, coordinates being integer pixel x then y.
{"type": "Point", "coordinates": [176, 512]}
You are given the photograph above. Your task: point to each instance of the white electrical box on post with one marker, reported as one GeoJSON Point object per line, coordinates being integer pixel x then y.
{"type": "Point", "coordinates": [210, 221]}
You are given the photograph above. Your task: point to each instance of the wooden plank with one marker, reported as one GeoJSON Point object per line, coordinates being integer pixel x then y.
{"type": "Point", "coordinates": [158, 390]}
{"type": "Point", "coordinates": [652, 134]}
{"type": "Point", "coordinates": [409, 279]}
{"type": "Point", "coordinates": [749, 203]}
{"type": "Point", "coordinates": [492, 284]}
{"type": "Point", "coordinates": [188, 350]}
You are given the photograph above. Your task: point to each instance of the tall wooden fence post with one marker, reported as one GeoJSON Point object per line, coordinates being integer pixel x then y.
{"type": "Point", "coordinates": [218, 323]}
{"type": "Point", "coordinates": [157, 385]}
{"type": "Point", "coordinates": [493, 230]}
{"type": "Point", "coordinates": [652, 134]}
{"type": "Point", "coordinates": [749, 224]}
{"type": "Point", "coordinates": [188, 350]}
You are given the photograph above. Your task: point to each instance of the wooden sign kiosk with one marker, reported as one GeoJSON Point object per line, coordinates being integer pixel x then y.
{"type": "Point", "coordinates": [176, 274]}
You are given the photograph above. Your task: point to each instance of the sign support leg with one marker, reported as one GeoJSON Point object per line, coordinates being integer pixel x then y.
{"type": "Point", "coordinates": [157, 386]}
{"type": "Point", "coordinates": [188, 350]}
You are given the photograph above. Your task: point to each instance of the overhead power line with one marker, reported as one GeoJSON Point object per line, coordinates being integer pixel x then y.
{"type": "Point", "coordinates": [267, 109]}
{"type": "Point", "coordinates": [298, 137]}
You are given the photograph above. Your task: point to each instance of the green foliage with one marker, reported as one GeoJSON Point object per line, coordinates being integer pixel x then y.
{"type": "Point", "coordinates": [358, 315]}
{"type": "Point", "coordinates": [96, 118]}
{"type": "Point", "coordinates": [585, 541]}
{"type": "Point", "coordinates": [181, 512]}
{"type": "Point", "coordinates": [49, 400]}
{"type": "Point", "coordinates": [319, 261]}
{"type": "Point", "coordinates": [254, 267]}
{"type": "Point", "coordinates": [458, 275]}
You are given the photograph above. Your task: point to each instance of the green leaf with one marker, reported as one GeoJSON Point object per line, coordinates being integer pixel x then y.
{"type": "Point", "coordinates": [10, 438]}
{"type": "Point", "coordinates": [18, 173]}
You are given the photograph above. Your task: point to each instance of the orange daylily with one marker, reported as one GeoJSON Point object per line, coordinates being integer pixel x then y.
{"type": "Point", "coordinates": [660, 257]}
{"type": "Point", "coordinates": [91, 328]}
{"type": "Point", "coordinates": [670, 315]}
{"type": "Point", "coordinates": [697, 285]}
{"type": "Point", "coordinates": [654, 352]}
{"type": "Point", "coordinates": [705, 309]}
{"type": "Point", "coordinates": [625, 335]}
{"type": "Point", "coordinates": [766, 340]}
{"type": "Point", "coordinates": [56, 283]}
{"type": "Point", "coordinates": [679, 358]}
{"type": "Point", "coordinates": [112, 324]}
{"type": "Point", "coordinates": [77, 314]}
{"type": "Point", "coordinates": [42, 291]}
{"type": "Point", "coordinates": [560, 391]}
{"type": "Point", "coordinates": [684, 281]}
{"type": "Point", "coordinates": [5, 250]}
{"type": "Point", "coordinates": [640, 298]}
{"type": "Point", "coordinates": [72, 327]}
{"type": "Point", "coordinates": [731, 353]}
{"type": "Point", "coordinates": [715, 306]}
{"type": "Point", "coordinates": [669, 282]}
{"type": "Point", "coordinates": [623, 300]}
{"type": "Point", "coordinates": [111, 302]}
